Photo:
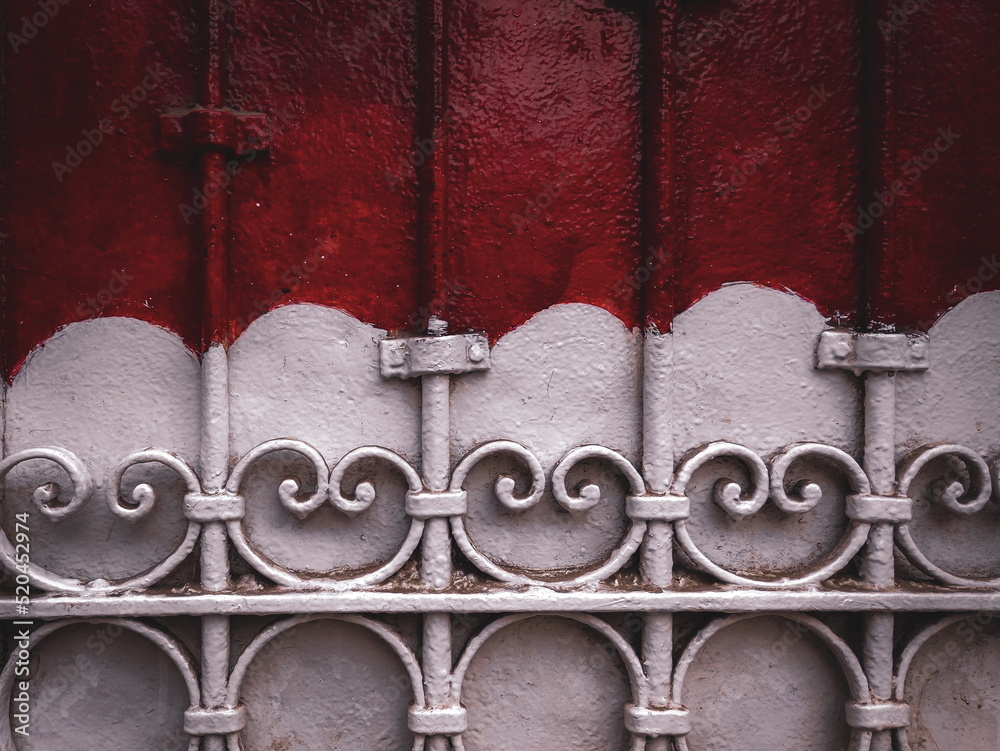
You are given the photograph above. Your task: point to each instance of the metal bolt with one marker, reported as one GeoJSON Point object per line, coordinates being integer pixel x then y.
{"type": "Point", "coordinates": [397, 355]}
{"type": "Point", "coordinates": [477, 352]}
{"type": "Point", "coordinates": [842, 349]}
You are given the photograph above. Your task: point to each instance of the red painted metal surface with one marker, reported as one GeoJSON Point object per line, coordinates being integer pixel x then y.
{"type": "Point", "coordinates": [541, 180]}
{"type": "Point", "coordinates": [484, 160]}
{"type": "Point", "coordinates": [330, 214]}
{"type": "Point", "coordinates": [768, 152]}
{"type": "Point", "coordinates": [941, 162]}
{"type": "Point", "coordinates": [90, 204]}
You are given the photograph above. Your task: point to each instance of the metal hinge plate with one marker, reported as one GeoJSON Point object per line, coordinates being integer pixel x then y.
{"type": "Point", "coordinates": [846, 350]}
{"type": "Point", "coordinates": [429, 355]}
{"type": "Point", "coordinates": [206, 128]}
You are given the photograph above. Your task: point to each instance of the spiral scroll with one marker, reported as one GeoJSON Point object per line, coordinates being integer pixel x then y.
{"type": "Point", "coordinates": [589, 495]}
{"type": "Point", "coordinates": [955, 492]}
{"type": "Point", "coordinates": [289, 488]}
{"type": "Point", "coordinates": [48, 497]}
{"type": "Point", "coordinates": [143, 495]}
{"type": "Point", "coordinates": [504, 485]}
{"type": "Point", "coordinates": [728, 493]}
{"type": "Point", "coordinates": [810, 493]}
{"type": "Point", "coordinates": [364, 492]}
{"type": "Point", "coordinates": [742, 506]}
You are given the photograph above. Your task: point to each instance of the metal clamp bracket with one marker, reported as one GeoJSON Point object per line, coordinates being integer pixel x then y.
{"type": "Point", "coordinates": [215, 507]}
{"type": "Point", "coordinates": [437, 721]}
{"type": "Point", "coordinates": [430, 355]}
{"type": "Point", "coordinates": [846, 350]}
{"type": "Point", "coordinates": [666, 508]}
{"type": "Point", "coordinates": [208, 128]}
{"type": "Point", "coordinates": [877, 509]}
{"type": "Point", "coordinates": [222, 721]}
{"type": "Point", "coordinates": [654, 722]}
{"type": "Point", "coordinates": [430, 505]}
{"type": "Point", "coordinates": [881, 716]}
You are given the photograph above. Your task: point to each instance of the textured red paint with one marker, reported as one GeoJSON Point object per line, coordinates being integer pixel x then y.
{"type": "Point", "coordinates": [329, 215]}
{"type": "Point", "coordinates": [768, 152]}
{"type": "Point", "coordinates": [113, 217]}
{"type": "Point", "coordinates": [485, 159]}
{"type": "Point", "coordinates": [941, 242]}
{"type": "Point", "coordinates": [543, 141]}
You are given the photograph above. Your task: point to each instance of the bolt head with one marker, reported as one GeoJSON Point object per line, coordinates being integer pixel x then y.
{"type": "Point", "coordinates": [478, 352]}
{"type": "Point", "coordinates": [397, 355]}
{"type": "Point", "coordinates": [842, 349]}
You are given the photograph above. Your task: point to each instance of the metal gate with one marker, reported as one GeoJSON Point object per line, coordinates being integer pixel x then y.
{"type": "Point", "coordinates": [301, 502]}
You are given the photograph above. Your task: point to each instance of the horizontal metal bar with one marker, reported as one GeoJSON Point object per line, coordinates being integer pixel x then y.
{"type": "Point", "coordinates": [536, 599]}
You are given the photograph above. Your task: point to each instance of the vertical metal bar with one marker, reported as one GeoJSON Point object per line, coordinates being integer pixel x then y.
{"type": "Point", "coordinates": [435, 415]}
{"type": "Point", "coordinates": [878, 52]}
{"type": "Point", "coordinates": [436, 553]}
{"type": "Point", "coordinates": [214, 237]}
{"type": "Point", "coordinates": [214, 550]}
{"type": "Point", "coordinates": [214, 241]}
{"type": "Point", "coordinates": [436, 460]}
{"type": "Point", "coordinates": [214, 219]}
{"type": "Point", "coordinates": [658, 133]}
{"type": "Point", "coordinates": [213, 24]}
{"type": "Point", "coordinates": [656, 555]}
{"type": "Point", "coordinates": [214, 463]}
{"type": "Point", "coordinates": [660, 229]}
{"type": "Point", "coordinates": [877, 564]}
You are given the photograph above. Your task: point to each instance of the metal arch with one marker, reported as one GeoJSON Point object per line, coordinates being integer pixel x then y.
{"type": "Point", "coordinates": [637, 677]}
{"type": "Point", "coordinates": [850, 543]}
{"type": "Point", "coordinates": [324, 487]}
{"type": "Point", "coordinates": [855, 674]}
{"type": "Point", "coordinates": [906, 658]}
{"type": "Point", "coordinates": [387, 635]}
{"type": "Point", "coordinates": [172, 648]}
{"type": "Point", "coordinates": [619, 556]}
{"type": "Point", "coordinates": [909, 468]}
{"type": "Point", "coordinates": [283, 576]}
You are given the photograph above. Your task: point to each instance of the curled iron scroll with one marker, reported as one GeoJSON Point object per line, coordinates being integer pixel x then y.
{"type": "Point", "coordinates": [809, 495]}
{"type": "Point", "coordinates": [958, 497]}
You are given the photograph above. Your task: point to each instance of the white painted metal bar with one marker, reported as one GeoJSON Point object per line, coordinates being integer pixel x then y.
{"type": "Point", "coordinates": [436, 463]}
{"type": "Point", "coordinates": [436, 554]}
{"type": "Point", "coordinates": [501, 600]}
{"type": "Point", "coordinates": [878, 566]}
{"type": "Point", "coordinates": [214, 549]}
{"type": "Point", "coordinates": [656, 559]}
